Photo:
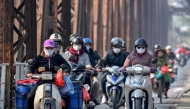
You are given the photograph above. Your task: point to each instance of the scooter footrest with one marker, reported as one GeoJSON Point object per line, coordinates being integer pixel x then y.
{"type": "Point", "coordinates": [50, 101]}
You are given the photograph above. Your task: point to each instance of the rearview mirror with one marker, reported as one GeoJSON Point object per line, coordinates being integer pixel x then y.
{"type": "Point", "coordinates": [154, 60]}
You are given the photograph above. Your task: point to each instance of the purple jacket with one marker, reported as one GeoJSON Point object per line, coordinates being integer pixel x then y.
{"type": "Point", "coordinates": [134, 59]}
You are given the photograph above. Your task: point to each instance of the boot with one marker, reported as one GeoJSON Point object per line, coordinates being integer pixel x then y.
{"type": "Point", "coordinates": [166, 93]}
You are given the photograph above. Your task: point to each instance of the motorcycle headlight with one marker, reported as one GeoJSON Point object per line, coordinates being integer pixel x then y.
{"type": "Point", "coordinates": [138, 70]}
{"type": "Point", "coordinates": [47, 76]}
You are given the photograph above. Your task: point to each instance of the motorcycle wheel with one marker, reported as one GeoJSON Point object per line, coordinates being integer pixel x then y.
{"type": "Point", "coordinates": [114, 100]}
{"type": "Point", "coordinates": [47, 106]}
{"type": "Point", "coordinates": [138, 103]}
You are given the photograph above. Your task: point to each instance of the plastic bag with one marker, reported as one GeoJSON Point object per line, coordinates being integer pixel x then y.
{"type": "Point", "coordinates": [164, 70]}
{"type": "Point", "coordinates": [167, 77]}
{"type": "Point", "coordinates": [68, 89]}
{"type": "Point", "coordinates": [158, 75]}
{"type": "Point", "coordinates": [62, 102]}
{"type": "Point", "coordinates": [85, 95]}
{"type": "Point", "coordinates": [59, 80]}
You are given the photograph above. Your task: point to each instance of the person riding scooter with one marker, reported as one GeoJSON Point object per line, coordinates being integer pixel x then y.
{"type": "Point", "coordinates": [94, 58]}
{"type": "Point", "coordinates": [114, 57]}
{"type": "Point", "coordinates": [47, 61]}
{"type": "Point", "coordinates": [142, 57]}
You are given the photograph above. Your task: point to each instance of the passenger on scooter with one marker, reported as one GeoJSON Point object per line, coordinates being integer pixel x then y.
{"type": "Point", "coordinates": [163, 61]}
{"type": "Point", "coordinates": [123, 48]}
{"type": "Point", "coordinates": [59, 49]}
{"type": "Point", "coordinates": [71, 37]}
{"type": "Point", "coordinates": [46, 61]}
{"type": "Point", "coordinates": [113, 57]}
{"type": "Point", "coordinates": [58, 44]}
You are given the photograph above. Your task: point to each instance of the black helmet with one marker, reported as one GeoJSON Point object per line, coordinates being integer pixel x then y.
{"type": "Point", "coordinates": [77, 40]}
{"type": "Point", "coordinates": [140, 41]}
{"type": "Point", "coordinates": [72, 36]}
{"type": "Point", "coordinates": [157, 46]}
{"type": "Point", "coordinates": [116, 40]}
{"type": "Point", "coordinates": [124, 44]}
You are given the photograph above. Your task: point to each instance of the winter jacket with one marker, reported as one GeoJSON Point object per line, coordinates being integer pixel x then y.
{"type": "Point", "coordinates": [41, 61]}
{"type": "Point", "coordinates": [134, 59]}
{"type": "Point", "coordinates": [182, 50]}
{"type": "Point", "coordinates": [162, 62]}
{"type": "Point", "coordinates": [112, 58]}
{"type": "Point", "coordinates": [93, 56]}
{"type": "Point", "coordinates": [83, 59]}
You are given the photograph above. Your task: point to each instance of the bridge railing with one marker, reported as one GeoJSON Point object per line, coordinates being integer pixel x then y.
{"type": "Point", "coordinates": [21, 70]}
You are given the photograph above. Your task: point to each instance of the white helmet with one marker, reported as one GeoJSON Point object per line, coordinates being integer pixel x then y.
{"type": "Point", "coordinates": [168, 47]}
{"type": "Point", "coordinates": [56, 37]}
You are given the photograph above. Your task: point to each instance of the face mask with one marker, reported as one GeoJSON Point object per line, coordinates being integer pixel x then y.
{"type": "Point", "coordinates": [116, 50]}
{"type": "Point", "coordinates": [87, 47]}
{"type": "Point", "coordinates": [140, 51]}
{"type": "Point", "coordinates": [76, 47]}
{"type": "Point", "coordinates": [49, 52]}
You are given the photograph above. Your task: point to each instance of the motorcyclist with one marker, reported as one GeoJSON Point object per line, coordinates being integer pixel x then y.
{"type": "Point", "coordinates": [157, 47]}
{"type": "Point", "coordinates": [171, 55]}
{"type": "Point", "coordinates": [139, 56]}
{"type": "Point", "coordinates": [182, 50]}
{"type": "Point", "coordinates": [71, 37]}
{"type": "Point", "coordinates": [163, 61]}
{"type": "Point", "coordinates": [123, 48]}
{"type": "Point", "coordinates": [94, 57]}
{"type": "Point", "coordinates": [46, 61]}
{"type": "Point", "coordinates": [112, 57]}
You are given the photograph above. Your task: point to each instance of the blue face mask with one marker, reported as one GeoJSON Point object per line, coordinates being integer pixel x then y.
{"type": "Point", "coordinates": [88, 47]}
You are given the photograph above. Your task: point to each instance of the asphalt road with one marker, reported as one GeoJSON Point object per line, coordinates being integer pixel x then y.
{"type": "Point", "coordinates": [175, 92]}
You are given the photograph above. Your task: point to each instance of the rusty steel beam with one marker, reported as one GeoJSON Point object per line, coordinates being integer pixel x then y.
{"type": "Point", "coordinates": [30, 21]}
{"type": "Point", "coordinates": [6, 40]}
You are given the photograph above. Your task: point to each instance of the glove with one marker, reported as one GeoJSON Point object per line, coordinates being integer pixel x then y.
{"type": "Point", "coordinates": [153, 69]}
{"type": "Point", "coordinates": [122, 69]}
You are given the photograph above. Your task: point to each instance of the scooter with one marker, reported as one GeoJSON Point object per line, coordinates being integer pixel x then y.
{"type": "Point", "coordinates": [182, 60]}
{"type": "Point", "coordinates": [47, 94]}
{"type": "Point", "coordinates": [115, 87]}
{"type": "Point", "coordinates": [138, 87]}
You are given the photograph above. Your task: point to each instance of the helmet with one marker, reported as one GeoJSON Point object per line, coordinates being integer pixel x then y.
{"type": "Point", "coordinates": [157, 46]}
{"type": "Point", "coordinates": [72, 36]}
{"type": "Point", "coordinates": [123, 44]}
{"type": "Point", "coordinates": [140, 41]}
{"type": "Point", "coordinates": [116, 40]}
{"type": "Point", "coordinates": [168, 47]}
{"type": "Point", "coordinates": [87, 40]}
{"type": "Point", "coordinates": [164, 70]}
{"type": "Point", "coordinates": [77, 40]}
{"type": "Point", "coordinates": [56, 37]}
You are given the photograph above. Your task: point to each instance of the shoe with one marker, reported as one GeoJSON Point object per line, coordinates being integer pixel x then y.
{"type": "Point", "coordinates": [104, 99]}
{"type": "Point", "coordinates": [96, 102]}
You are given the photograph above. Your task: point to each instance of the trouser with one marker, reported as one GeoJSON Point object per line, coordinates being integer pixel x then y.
{"type": "Point", "coordinates": [67, 102]}
{"type": "Point", "coordinates": [30, 97]}
{"type": "Point", "coordinates": [95, 91]}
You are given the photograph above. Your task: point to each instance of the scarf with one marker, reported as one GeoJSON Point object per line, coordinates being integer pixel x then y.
{"type": "Point", "coordinates": [76, 53]}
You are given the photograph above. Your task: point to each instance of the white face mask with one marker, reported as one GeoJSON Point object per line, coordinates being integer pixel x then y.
{"type": "Point", "coordinates": [116, 50]}
{"type": "Point", "coordinates": [140, 51]}
{"type": "Point", "coordinates": [87, 47]}
{"type": "Point", "coordinates": [77, 47]}
{"type": "Point", "coordinates": [48, 52]}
